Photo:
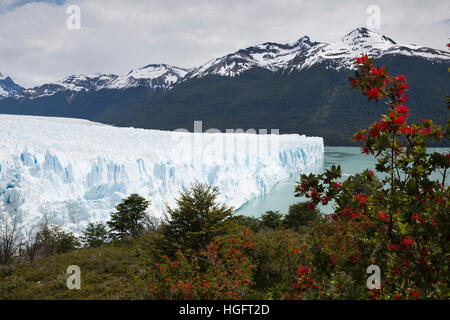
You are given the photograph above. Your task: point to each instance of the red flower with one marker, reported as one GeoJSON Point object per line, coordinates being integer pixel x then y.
{"type": "Point", "coordinates": [407, 242]}
{"type": "Point", "coordinates": [302, 270]}
{"type": "Point", "coordinates": [394, 247]}
{"type": "Point", "coordinates": [400, 78]}
{"type": "Point", "coordinates": [399, 120]}
{"type": "Point", "coordinates": [365, 150]}
{"type": "Point", "coordinates": [337, 184]}
{"type": "Point", "coordinates": [377, 72]}
{"type": "Point", "coordinates": [408, 130]}
{"type": "Point", "coordinates": [361, 198]}
{"type": "Point", "coordinates": [402, 99]}
{"type": "Point", "coordinates": [359, 136]}
{"type": "Point", "coordinates": [311, 206]}
{"type": "Point", "coordinates": [383, 216]}
{"type": "Point", "coordinates": [374, 132]}
{"type": "Point", "coordinates": [373, 93]}
{"type": "Point", "coordinates": [361, 60]}
{"type": "Point", "coordinates": [382, 125]}
{"type": "Point", "coordinates": [324, 200]}
{"type": "Point", "coordinates": [415, 293]}
{"type": "Point", "coordinates": [402, 110]}
{"type": "Point", "coordinates": [426, 131]}
{"type": "Point", "coordinates": [353, 82]}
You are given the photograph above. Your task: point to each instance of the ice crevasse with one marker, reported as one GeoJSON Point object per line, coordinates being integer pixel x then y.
{"type": "Point", "coordinates": [71, 172]}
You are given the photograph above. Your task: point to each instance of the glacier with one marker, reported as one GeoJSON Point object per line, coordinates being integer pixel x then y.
{"type": "Point", "coordinates": [72, 172]}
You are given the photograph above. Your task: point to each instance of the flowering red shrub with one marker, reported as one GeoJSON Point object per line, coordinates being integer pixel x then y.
{"type": "Point", "coordinates": [223, 271]}
{"type": "Point", "coordinates": [403, 219]}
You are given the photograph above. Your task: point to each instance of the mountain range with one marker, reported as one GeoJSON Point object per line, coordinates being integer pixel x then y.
{"type": "Point", "coordinates": [296, 87]}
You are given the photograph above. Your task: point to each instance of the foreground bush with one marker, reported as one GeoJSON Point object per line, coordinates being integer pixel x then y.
{"type": "Point", "coordinates": [402, 224]}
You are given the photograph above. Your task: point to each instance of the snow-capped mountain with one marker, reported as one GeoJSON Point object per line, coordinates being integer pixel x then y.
{"type": "Point", "coordinates": [361, 41]}
{"type": "Point", "coordinates": [74, 83]}
{"type": "Point", "coordinates": [8, 87]}
{"type": "Point", "coordinates": [269, 55]}
{"type": "Point", "coordinates": [305, 53]}
{"type": "Point", "coordinates": [154, 76]}
{"type": "Point", "coordinates": [73, 171]}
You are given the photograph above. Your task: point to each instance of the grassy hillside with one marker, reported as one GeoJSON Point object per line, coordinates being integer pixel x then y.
{"type": "Point", "coordinates": [103, 270]}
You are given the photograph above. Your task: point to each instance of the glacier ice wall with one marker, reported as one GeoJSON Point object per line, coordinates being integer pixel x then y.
{"type": "Point", "coordinates": [71, 172]}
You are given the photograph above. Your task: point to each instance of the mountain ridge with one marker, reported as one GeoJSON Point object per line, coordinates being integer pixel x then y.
{"type": "Point", "coordinates": [272, 56]}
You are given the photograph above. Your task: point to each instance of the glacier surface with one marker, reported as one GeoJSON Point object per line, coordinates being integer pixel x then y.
{"type": "Point", "coordinates": [71, 172]}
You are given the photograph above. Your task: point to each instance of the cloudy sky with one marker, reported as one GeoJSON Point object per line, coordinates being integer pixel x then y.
{"type": "Point", "coordinates": [117, 35]}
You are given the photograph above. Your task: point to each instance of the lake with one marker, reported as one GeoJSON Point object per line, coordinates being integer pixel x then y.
{"type": "Point", "coordinates": [282, 195]}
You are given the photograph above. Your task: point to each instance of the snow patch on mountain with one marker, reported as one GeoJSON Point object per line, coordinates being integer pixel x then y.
{"type": "Point", "coordinates": [269, 55]}
{"type": "Point", "coordinates": [153, 76]}
{"type": "Point", "coordinates": [3, 92]}
{"type": "Point", "coordinates": [71, 172]}
{"type": "Point", "coordinates": [359, 42]}
{"type": "Point", "coordinates": [74, 83]}
{"type": "Point", "coordinates": [8, 87]}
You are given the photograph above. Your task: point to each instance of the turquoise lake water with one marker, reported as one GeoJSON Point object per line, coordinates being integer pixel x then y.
{"type": "Point", "coordinates": [282, 195]}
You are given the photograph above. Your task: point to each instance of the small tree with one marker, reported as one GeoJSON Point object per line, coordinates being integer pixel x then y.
{"type": "Point", "coordinates": [129, 219]}
{"type": "Point", "coordinates": [272, 219]}
{"type": "Point", "coordinates": [52, 239]}
{"type": "Point", "coordinates": [95, 235]}
{"type": "Point", "coordinates": [299, 216]}
{"type": "Point", "coordinates": [10, 236]}
{"type": "Point", "coordinates": [197, 220]}
{"type": "Point", "coordinates": [151, 223]}
{"type": "Point", "coordinates": [29, 246]}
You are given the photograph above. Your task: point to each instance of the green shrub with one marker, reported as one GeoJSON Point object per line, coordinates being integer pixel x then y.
{"type": "Point", "coordinates": [95, 235]}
